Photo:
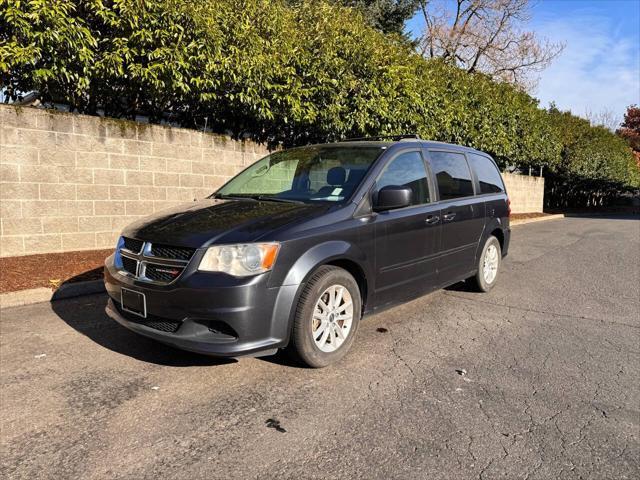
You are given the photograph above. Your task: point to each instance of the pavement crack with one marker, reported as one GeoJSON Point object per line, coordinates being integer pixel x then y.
{"type": "Point", "coordinates": [400, 358]}
{"type": "Point", "coordinates": [541, 312]}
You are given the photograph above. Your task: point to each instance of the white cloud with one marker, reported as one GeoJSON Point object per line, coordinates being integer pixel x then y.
{"type": "Point", "coordinates": [598, 71]}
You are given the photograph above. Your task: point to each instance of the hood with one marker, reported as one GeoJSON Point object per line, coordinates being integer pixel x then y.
{"type": "Point", "coordinates": [219, 221]}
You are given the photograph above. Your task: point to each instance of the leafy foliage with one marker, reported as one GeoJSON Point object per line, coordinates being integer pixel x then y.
{"type": "Point", "coordinates": [595, 165]}
{"type": "Point", "coordinates": [388, 16]}
{"type": "Point", "coordinates": [284, 73]}
{"type": "Point", "coordinates": [630, 127]}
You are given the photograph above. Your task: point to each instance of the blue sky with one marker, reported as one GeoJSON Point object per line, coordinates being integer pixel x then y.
{"type": "Point", "coordinates": [600, 66]}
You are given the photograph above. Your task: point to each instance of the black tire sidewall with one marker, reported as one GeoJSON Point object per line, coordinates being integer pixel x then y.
{"type": "Point", "coordinates": [302, 339]}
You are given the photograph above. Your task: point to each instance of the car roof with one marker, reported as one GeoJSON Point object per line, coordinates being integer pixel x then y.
{"type": "Point", "coordinates": [405, 141]}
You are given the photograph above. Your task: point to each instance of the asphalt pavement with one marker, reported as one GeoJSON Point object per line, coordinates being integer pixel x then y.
{"type": "Point", "coordinates": [537, 379]}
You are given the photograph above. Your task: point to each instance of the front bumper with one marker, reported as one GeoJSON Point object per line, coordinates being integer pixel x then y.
{"type": "Point", "coordinates": [213, 314]}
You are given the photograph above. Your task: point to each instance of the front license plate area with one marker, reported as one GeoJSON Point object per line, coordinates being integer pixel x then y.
{"type": "Point", "coordinates": [134, 302]}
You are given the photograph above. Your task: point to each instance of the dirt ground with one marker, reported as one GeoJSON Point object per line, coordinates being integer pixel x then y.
{"type": "Point", "coordinates": [50, 269]}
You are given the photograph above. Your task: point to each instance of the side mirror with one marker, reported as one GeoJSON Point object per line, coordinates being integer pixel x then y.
{"type": "Point", "coordinates": [393, 196]}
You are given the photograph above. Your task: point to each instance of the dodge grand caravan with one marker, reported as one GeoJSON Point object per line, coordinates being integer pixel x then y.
{"type": "Point", "coordinates": [294, 250]}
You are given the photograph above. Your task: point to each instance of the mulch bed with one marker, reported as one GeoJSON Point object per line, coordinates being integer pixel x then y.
{"type": "Point", "coordinates": [50, 269]}
{"type": "Point", "coordinates": [522, 216]}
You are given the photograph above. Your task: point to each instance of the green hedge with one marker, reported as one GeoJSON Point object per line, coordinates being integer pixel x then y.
{"type": "Point", "coordinates": [284, 75]}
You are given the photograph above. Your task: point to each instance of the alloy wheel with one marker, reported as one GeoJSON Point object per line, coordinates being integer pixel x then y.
{"type": "Point", "coordinates": [490, 264]}
{"type": "Point", "coordinates": [332, 318]}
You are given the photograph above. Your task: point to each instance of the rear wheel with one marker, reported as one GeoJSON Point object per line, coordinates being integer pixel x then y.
{"type": "Point", "coordinates": [327, 317]}
{"type": "Point", "coordinates": [488, 265]}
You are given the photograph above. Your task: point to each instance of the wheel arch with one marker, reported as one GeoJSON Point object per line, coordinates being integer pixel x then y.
{"type": "Point", "coordinates": [495, 227]}
{"type": "Point", "coordinates": [499, 234]}
{"type": "Point", "coordinates": [357, 273]}
{"type": "Point", "coordinates": [337, 253]}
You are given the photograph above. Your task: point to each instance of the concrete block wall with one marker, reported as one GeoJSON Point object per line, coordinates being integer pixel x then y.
{"type": "Point", "coordinates": [525, 192]}
{"type": "Point", "coordinates": [72, 182]}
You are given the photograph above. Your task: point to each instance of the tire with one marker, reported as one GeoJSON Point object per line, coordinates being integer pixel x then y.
{"type": "Point", "coordinates": [316, 337]}
{"type": "Point", "coordinates": [485, 279]}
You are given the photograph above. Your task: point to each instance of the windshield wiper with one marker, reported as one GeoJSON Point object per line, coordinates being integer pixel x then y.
{"type": "Point", "coordinates": [234, 196]}
{"type": "Point", "coordinates": [277, 199]}
{"type": "Point", "coordinates": [255, 197]}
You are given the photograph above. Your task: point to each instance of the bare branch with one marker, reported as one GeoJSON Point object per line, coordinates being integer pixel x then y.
{"type": "Point", "coordinates": [486, 36]}
{"type": "Point", "coordinates": [604, 118]}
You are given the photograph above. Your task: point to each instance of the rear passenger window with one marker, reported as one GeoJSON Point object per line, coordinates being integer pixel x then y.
{"type": "Point", "coordinates": [487, 173]}
{"type": "Point", "coordinates": [407, 170]}
{"type": "Point", "coordinates": [452, 173]}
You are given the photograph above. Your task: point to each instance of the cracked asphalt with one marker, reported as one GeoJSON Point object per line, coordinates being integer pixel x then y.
{"type": "Point", "coordinates": [551, 387]}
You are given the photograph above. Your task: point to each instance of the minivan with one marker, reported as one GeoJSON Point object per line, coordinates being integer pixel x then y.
{"type": "Point", "coordinates": [293, 251]}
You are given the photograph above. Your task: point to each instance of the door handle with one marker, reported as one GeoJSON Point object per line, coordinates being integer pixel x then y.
{"type": "Point", "coordinates": [449, 216]}
{"type": "Point", "coordinates": [431, 219]}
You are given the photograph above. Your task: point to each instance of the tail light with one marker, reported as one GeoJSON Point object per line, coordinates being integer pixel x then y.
{"type": "Point", "coordinates": [508, 207]}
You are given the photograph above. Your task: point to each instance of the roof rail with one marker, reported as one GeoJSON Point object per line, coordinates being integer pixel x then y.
{"type": "Point", "coordinates": [394, 138]}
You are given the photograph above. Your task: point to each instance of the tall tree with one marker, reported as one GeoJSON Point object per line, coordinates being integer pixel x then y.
{"type": "Point", "coordinates": [606, 118]}
{"type": "Point", "coordinates": [487, 36]}
{"type": "Point", "coordinates": [388, 16]}
{"type": "Point", "coordinates": [630, 127]}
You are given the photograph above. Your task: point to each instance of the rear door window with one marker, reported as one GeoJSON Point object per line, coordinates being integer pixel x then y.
{"type": "Point", "coordinates": [452, 174]}
{"type": "Point", "coordinates": [488, 175]}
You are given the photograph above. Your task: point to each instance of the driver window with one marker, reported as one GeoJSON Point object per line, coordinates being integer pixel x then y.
{"type": "Point", "coordinates": [407, 170]}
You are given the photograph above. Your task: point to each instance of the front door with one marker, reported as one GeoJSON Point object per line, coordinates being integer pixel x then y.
{"type": "Point", "coordinates": [407, 240]}
{"type": "Point", "coordinates": [463, 215]}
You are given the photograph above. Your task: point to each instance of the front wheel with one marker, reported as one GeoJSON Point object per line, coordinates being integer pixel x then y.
{"type": "Point", "coordinates": [488, 265]}
{"type": "Point", "coordinates": [327, 317]}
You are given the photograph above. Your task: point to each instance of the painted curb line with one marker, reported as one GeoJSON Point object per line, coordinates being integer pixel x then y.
{"type": "Point", "coordinates": [43, 294]}
{"type": "Point", "coordinates": [515, 223]}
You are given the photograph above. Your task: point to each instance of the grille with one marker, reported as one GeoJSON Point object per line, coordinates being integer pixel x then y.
{"type": "Point", "coordinates": [162, 325]}
{"type": "Point", "coordinates": [144, 265]}
{"type": "Point", "coordinates": [166, 251]}
{"type": "Point", "coordinates": [129, 265]}
{"type": "Point", "coordinates": [222, 330]}
{"type": "Point", "coordinates": [162, 273]}
{"type": "Point", "coordinates": [152, 321]}
{"type": "Point", "coordinates": [132, 244]}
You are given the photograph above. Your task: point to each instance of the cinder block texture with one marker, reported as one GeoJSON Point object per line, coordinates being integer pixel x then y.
{"type": "Point", "coordinates": [525, 192]}
{"type": "Point", "coordinates": [72, 182]}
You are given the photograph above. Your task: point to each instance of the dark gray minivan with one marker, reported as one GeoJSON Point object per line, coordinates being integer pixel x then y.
{"type": "Point", "coordinates": [295, 249]}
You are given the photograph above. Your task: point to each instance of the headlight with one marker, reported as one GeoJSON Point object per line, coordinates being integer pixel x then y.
{"type": "Point", "coordinates": [240, 260]}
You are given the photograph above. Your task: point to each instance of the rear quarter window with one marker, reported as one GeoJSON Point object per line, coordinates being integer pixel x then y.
{"type": "Point", "coordinates": [488, 174]}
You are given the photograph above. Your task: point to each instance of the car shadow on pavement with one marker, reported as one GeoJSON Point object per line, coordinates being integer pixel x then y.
{"type": "Point", "coordinates": [86, 315]}
{"type": "Point", "coordinates": [461, 287]}
{"type": "Point", "coordinates": [284, 359]}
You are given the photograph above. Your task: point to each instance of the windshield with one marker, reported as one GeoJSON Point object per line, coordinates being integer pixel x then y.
{"type": "Point", "coordinates": [306, 174]}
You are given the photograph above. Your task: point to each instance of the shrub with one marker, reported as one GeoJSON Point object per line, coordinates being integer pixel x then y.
{"type": "Point", "coordinates": [283, 73]}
